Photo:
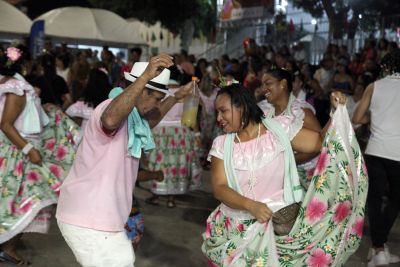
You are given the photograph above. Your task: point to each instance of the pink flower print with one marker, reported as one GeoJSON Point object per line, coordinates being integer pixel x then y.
{"type": "Point", "coordinates": [25, 205]}
{"type": "Point", "coordinates": [11, 207]}
{"type": "Point", "coordinates": [188, 157]}
{"type": "Point", "coordinates": [19, 168]}
{"type": "Point", "coordinates": [288, 239]}
{"type": "Point", "coordinates": [358, 227]}
{"type": "Point", "coordinates": [56, 187]}
{"type": "Point", "coordinates": [166, 172]}
{"type": "Point", "coordinates": [49, 145]}
{"type": "Point", "coordinates": [20, 190]}
{"type": "Point", "coordinates": [176, 130]}
{"type": "Point", "coordinates": [183, 143]}
{"type": "Point", "coordinates": [57, 171]}
{"type": "Point", "coordinates": [309, 247]}
{"type": "Point", "coordinates": [315, 210]}
{"type": "Point", "coordinates": [70, 138]}
{"type": "Point", "coordinates": [227, 223]}
{"type": "Point", "coordinates": [61, 152]}
{"type": "Point", "coordinates": [216, 215]}
{"type": "Point", "coordinates": [173, 171]}
{"type": "Point", "coordinates": [208, 230]}
{"type": "Point", "coordinates": [319, 259]}
{"type": "Point", "coordinates": [240, 227]}
{"type": "Point", "coordinates": [342, 210]}
{"type": "Point", "coordinates": [182, 171]}
{"type": "Point", "coordinates": [163, 131]}
{"type": "Point", "coordinates": [33, 176]}
{"type": "Point", "coordinates": [211, 264]}
{"type": "Point", "coordinates": [3, 161]}
{"type": "Point", "coordinates": [310, 172]}
{"type": "Point", "coordinates": [173, 143]}
{"type": "Point", "coordinates": [323, 161]}
{"type": "Point", "coordinates": [159, 157]}
{"type": "Point", "coordinates": [57, 118]}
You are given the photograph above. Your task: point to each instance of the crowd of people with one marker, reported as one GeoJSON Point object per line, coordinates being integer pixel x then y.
{"type": "Point", "coordinates": [270, 128]}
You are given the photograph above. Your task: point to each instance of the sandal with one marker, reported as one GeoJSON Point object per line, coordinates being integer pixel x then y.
{"type": "Point", "coordinates": [152, 200]}
{"type": "Point", "coordinates": [171, 204]}
{"type": "Point", "coordinates": [7, 258]}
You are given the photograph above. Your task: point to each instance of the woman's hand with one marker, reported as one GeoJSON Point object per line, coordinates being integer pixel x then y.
{"type": "Point", "coordinates": [338, 98]}
{"type": "Point", "coordinates": [260, 211]}
{"type": "Point", "coordinates": [34, 156]}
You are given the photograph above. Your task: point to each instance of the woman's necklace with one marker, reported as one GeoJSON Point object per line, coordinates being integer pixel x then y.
{"type": "Point", "coordinates": [252, 180]}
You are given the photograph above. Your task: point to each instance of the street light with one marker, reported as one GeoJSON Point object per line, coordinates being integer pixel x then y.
{"type": "Point", "coordinates": [314, 22]}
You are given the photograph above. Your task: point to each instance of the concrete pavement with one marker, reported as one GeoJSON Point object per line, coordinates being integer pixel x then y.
{"type": "Point", "coordinates": [172, 236]}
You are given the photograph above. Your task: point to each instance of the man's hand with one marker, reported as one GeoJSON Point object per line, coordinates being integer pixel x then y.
{"type": "Point", "coordinates": [184, 91]}
{"type": "Point", "coordinates": [156, 65]}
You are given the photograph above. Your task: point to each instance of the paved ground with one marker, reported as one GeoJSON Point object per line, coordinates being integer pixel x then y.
{"type": "Point", "coordinates": [172, 236]}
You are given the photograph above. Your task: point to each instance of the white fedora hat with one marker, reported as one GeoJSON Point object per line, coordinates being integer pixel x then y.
{"type": "Point", "coordinates": [159, 83]}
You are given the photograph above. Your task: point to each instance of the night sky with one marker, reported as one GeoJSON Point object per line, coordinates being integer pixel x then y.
{"type": "Point", "coordinates": [37, 8]}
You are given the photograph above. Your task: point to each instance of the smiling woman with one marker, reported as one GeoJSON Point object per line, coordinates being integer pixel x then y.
{"type": "Point", "coordinates": [254, 175]}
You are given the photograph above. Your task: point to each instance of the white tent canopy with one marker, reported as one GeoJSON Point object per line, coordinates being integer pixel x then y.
{"type": "Point", "coordinates": [89, 26]}
{"type": "Point", "coordinates": [13, 22]}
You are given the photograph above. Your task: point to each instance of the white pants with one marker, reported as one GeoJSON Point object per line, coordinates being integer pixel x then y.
{"type": "Point", "coordinates": [94, 248]}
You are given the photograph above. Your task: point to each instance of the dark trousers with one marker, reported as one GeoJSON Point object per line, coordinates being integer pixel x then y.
{"type": "Point", "coordinates": [384, 177]}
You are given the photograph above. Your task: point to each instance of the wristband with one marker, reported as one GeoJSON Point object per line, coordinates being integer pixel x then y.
{"type": "Point", "coordinates": [27, 148]}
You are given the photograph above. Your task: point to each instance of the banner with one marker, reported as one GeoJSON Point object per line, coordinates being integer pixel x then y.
{"type": "Point", "coordinates": [245, 9]}
{"type": "Point", "coordinates": [36, 38]}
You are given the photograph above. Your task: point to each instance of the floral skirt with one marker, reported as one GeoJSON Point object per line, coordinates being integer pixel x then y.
{"type": "Point", "coordinates": [175, 156]}
{"type": "Point", "coordinates": [328, 228]}
{"type": "Point", "coordinates": [27, 188]}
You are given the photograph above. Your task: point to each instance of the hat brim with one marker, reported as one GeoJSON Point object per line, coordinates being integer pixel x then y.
{"type": "Point", "coordinates": [129, 77]}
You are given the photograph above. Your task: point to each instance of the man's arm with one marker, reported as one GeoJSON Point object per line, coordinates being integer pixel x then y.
{"type": "Point", "coordinates": [120, 107]}
{"type": "Point", "coordinates": [361, 115]}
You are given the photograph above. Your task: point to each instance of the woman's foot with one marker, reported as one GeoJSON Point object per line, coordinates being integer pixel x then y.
{"type": "Point", "coordinates": [152, 200]}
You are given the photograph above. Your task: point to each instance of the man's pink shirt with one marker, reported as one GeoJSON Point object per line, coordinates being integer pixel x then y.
{"type": "Point", "coordinates": [97, 192]}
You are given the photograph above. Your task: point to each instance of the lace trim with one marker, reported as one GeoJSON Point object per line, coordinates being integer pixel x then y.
{"type": "Point", "coordinates": [263, 157]}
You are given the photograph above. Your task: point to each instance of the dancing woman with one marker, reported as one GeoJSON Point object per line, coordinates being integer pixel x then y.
{"type": "Point", "coordinates": [254, 175]}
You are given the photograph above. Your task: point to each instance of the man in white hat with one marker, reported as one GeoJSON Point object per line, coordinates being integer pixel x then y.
{"type": "Point", "coordinates": [95, 198]}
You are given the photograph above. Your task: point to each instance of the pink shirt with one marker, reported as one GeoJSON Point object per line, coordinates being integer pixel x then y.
{"type": "Point", "coordinates": [97, 192]}
{"type": "Point", "coordinates": [265, 157]}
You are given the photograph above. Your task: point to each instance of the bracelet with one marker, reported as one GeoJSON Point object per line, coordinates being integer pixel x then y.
{"type": "Point", "coordinates": [27, 148]}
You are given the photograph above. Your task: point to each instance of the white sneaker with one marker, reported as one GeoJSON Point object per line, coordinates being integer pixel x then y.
{"type": "Point", "coordinates": [378, 259]}
{"type": "Point", "coordinates": [391, 257]}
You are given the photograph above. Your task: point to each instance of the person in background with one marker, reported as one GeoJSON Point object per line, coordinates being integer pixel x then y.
{"type": "Point", "coordinates": [35, 155]}
{"type": "Point", "coordinates": [53, 88]}
{"type": "Point", "coordinates": [379, 106]}
{"type": "Point", "coordinates": [96, 91]}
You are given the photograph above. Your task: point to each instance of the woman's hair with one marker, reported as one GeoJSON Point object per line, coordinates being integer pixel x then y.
{"type": "Point", "coordinates": [241, 98]}
{"type": "Point", "coordinates": [97, 89]}
{"type": "Point", "coordinates": [391, 61]}
{"type": "Point", "coordinates": [282, 74]}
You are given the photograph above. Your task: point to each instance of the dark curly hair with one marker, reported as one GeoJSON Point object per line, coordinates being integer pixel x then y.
{"type": "Point", "coordinates": [391, 61]}
{"type": "Point", "coordinates": [241, 98]}
{"type": "Point", "coordinates": [282, 74]}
